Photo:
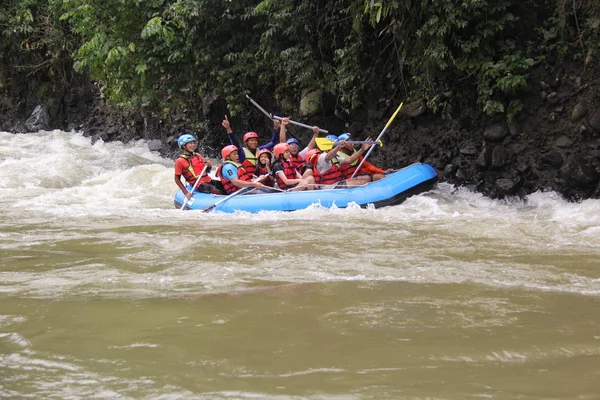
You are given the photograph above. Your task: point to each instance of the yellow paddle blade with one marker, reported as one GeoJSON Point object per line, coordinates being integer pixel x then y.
{"type": "Point", "coordinates": [394, 115]}
{"type": "Point", "coordinates": [324, 144]}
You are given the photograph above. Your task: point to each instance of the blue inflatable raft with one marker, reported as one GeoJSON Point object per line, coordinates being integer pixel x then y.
{"type": "Point", "coordinates": [391, 190]}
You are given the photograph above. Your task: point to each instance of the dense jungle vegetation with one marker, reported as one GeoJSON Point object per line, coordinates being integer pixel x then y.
{"type": "Point", "coordinates": [162, 54]}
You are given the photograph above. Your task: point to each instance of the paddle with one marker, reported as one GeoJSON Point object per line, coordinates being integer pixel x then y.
{"type": "Point", "coordinates": [210, 208]}
{"type": "Point", "coordinates": [185, 202]}
{"type": "Point", "coordinates": [327, 144]}
{"type": "Point", "coordinates": [272, 117]}
{"type": "Point", "coordinates": [244, 189]}
{"type": "Point", "coordinates": [377, 140]}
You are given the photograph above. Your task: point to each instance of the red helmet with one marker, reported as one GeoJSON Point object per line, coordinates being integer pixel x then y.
{"type": "Point", "coordinates": [280, 148]}
{"type": "Point", "coordinates": [263, 151]}
{"type": "Point", "coordinates": [250, 135]}
{"type": "Point", "coordinates": [227, 150]}
{"type": "Point", "coordinates": [309, 155]}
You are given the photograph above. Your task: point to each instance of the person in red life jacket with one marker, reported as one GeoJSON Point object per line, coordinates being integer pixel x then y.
{"type": "Point", "coordinates": [248, 154]}
{"type": "Point", "coordinates": [232, 174]}
{"type": "Point", "coordinates": [190, 164]}
{"type": "Point", "coordinates": [297, 156]}
{"type": "Point", "coordinates": [263, 167]}
{"type": "Point", "coordinates": [286, 175]}
{"type": "Point", "coordinates": [368, 172]}
{"type": "Point", "coordinates": [327, 167]}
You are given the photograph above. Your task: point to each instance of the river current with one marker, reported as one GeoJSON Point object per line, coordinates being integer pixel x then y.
{"type": "Point", "coordinates": [107, 291]}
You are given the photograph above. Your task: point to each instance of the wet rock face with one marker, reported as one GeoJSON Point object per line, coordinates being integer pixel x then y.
{"type": "Point", "coordinates": [553, 145]}
{"type": "Point", "coordinates": [577, 172]}
{"type": "Point", "coordinates": [38, 120]}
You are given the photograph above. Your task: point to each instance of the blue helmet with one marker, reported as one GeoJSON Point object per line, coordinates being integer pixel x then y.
{"type": "Point", "coordinates": [344, 136]}
{"type": "Point", "coordinates": [293, 140]}
{"type": "Point", "coordinates": [331, 138]}
{"type": "Point", "coordinates": [185, 139]}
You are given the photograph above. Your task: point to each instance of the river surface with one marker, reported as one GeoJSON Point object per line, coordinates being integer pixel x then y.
{"type": "Point", "coordinates": [107, 291]}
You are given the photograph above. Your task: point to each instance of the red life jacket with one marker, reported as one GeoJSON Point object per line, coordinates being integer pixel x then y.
{"type": "Point", "coordinates": [227, 184]}
{"type": "Point", "coordinates": [262, 170]}
{"type": "Point", "coordinates": [348, 169]}
{"type": "Point", "coordinates": [249, 163]}
{"type": "Point", "coordinates": [332, 175]}
{"type": "Point", "coordinates": [196, 165]}
{"type": "Point", "coordinates": [297, 162]}
{"type": "Point", "coordinates": [289, 171]}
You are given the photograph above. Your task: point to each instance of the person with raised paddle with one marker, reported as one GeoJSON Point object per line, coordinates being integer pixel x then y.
{"type": "Point", "coordinates": [192, 166]}
{"type": "Point", "coordinates": [286, 175]}
{"type": "Point", "coordinates": [248, 153]}
{"type": "Point", "coordinates": [232, 174]}
{"type": "Point", "coordinates": [368, 172]}
{"type": "Point", "coordinates": [297, 156]}
{"type": "Point", "coordinates": [327, 167]}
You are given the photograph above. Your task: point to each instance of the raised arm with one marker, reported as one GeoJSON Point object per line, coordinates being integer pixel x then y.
{"type": "Point", "coordinates": [313, 142]}
{"type": "Point", "coordinates": [331, 154]}
{"type": "Point", "coordinates": [227, 125]}
{"type": "Point", "coordinates": [276, 138]}
{"type": "Point", "coordinates": [354, 157]}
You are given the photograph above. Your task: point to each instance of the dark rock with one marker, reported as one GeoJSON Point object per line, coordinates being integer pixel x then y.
{"type": "Point", "coordinates": [357, 127]}
{"type": "Point", "coordinates": [208, 103]}
{"type": "Point", "coordinates": [523, 167]}
{"type": "Point", "coordinates": [414, 109]}
{"type": "Point", "coordinates": [485, 157]}
{"type": "Point", "coordinates": [552, 98]}
{"type": "Point", "coordinates": [577, 172]}
{"type": "Point", "coordinates": [495, 133]}
{"type": "Point", "coordinates": [448, 169]}
{"type": "Point", "coordinates": [579, 112]}
{"type": "Point", "coordinates": [38, 120]}
{"type": "Point", "coordinates": [469, 149]}
{"type": "Point", "coordinates": [564, 142]}
{"type": "Point", "coordinates": [595, 120]}
{"type": "Point", "coordinates": [500, 157]}
{"type": "Point", "coordinates": [553, 159]}
{"type": "Point", "coordinates": [513, 128]}
{"type": "Point", "coordinates": [155, 145]}
{"type": "Point", "coordinates": [506, 186]}
{"type": "Point", "coordinates": [461, 175]}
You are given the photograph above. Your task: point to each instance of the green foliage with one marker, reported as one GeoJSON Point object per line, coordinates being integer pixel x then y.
{"type": "Point", "coordinates": [34, 45]}
{"type": "Point", "coordinates": [166, 53]}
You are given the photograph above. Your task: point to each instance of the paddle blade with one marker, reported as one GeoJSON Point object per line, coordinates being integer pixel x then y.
{"type": "Point", "coordinates": [324, 144]}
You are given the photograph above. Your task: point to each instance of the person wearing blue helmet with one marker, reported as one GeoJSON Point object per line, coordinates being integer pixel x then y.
{"type": "Point", "coordinates": [349, 161]}
{"type": "Point", "coordinates": [190, 164]}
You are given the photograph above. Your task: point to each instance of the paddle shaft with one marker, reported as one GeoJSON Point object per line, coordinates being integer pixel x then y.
{"type": "Point", "coordinates": [361, 142]}
{"type": "Point", "coordinates": [209, 208]}
{"type": "Point", "coordinates": [377, 140]}
{"type": "Point", "coordinates": [272, 117]}
{"type": "Point", "coordinates": [244, 189]}
{"type": "Point", "coordinates": [186, 199]}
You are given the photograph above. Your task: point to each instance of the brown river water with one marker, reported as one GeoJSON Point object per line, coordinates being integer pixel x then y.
{"type": "Point", "coordinates": [108, 292]}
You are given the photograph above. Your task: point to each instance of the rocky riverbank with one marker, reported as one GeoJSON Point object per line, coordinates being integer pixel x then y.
{"type": "Point", "coordinates": [554, 145]}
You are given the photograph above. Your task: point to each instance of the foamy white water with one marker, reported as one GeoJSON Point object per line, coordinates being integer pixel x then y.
{"type": "Point", "coordinates": [100, 277]}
